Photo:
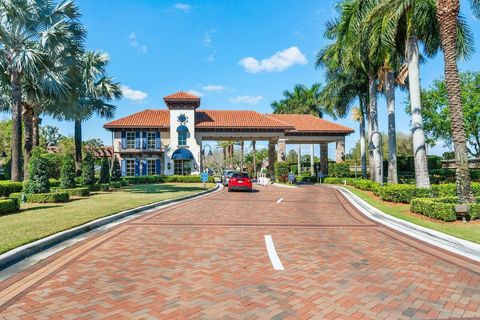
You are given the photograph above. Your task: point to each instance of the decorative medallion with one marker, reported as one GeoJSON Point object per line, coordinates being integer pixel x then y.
{"type": "Point", "coordinates": [182, 118]}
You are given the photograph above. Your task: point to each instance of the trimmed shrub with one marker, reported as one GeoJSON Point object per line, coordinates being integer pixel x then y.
{"type": "Point", "coordinates": [434, 209]}
{"type": "Point", "coordinates": [8, 187]}
{"type": "Point", "coordinates": [94, 187]}
{"type": "Point", "coordinates": [54, 183]}
{"type": "Point", "coordinates": [104, 171]}
{"type": "Point", "coordinates": [104, 186]}
{"type": "Point", "coordinates": [67, 175]}
{"type": "Point", "coordinates": [403, 193]}
{"type": "Point", "coordinates": [88, 170]}
{"type": "Point", "coordinates": [282, 169]}
{"type": "Point", "coordinates": [9, 206]}
{"type": "Point", "coordinates": [115, 184]}
{"type": "Point", "coordinates": [38, 175]}
{"type": "Point", "coordinates": [366, 185]}
{"type": "Point", "coordinates": [52, 197]}
{"type": "Point", "coordinates": [116, 170]}
{"type": "Point", "coordinates": [339, 170]}
{"type": "Point", "coordinates": [76, 192]}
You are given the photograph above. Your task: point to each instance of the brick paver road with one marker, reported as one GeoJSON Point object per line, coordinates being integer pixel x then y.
{"type": "Point", "coordinates": [207, 259]}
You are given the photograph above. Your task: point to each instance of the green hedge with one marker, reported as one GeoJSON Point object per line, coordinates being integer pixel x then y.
{"type": "Point", "coordinates": [76, 192]}
{"type": "Point", "coordinates": [54, 183]}
{"type": "Point", "coordinates": [52, 197]}
{"type": "Point", "coordinates": [163, 179]}
{"type": "Point", "coordinates": [282, 169]}
{"type": "Point", "coordinates": [403, 193]}
{"type": "Point", "coordinates": [331, 180]}
{"type": "Point", "coordinates": [442, 208]}
{"type": "Point", "coordinates": [339, 170]}
{"type": "Point", "coordinates": [367, 185]}
{"type": "Point", "coordinates": [9, 206]}
{"type": "Point", "coordinates": [115, 184]}
{"type": "Point", "coordinates": [8, 187]}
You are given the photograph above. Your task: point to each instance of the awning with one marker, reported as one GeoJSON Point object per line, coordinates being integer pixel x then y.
{"type": "Point", "coordinates": [182, 154]}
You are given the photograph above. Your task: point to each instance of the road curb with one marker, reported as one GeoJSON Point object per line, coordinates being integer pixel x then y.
{"type": "Point", "coordinates": [15, 255]}
{"type": "Point", "coordinates": [441, 240]}
{"type": "Point", "coordinates": [283, 185]}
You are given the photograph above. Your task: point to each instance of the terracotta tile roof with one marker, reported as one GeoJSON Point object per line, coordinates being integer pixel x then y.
{"type": "Point", "coordinates": [182, 95]}
{"type": "Point", "coordinates": [236, 119]}
{"type": "Point", "coordinates": [309, 123]}
{"type": "Point", "coordinates": [144, 119]}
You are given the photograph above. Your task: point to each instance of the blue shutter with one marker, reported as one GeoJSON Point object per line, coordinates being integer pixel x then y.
{"type": "Point", "coordinates": [124, 140]}
{"type": "Point", "coordinates": [144, 167]}
{"type": "Point", "coordinates": [137, 167]}
{"type": "Point", "coordinates": [144, 140]}
{"type": "Point", "coordinates": [137, 139]}
{"type": "Point", "coordinates": [157, 140]}
{"type": "Point", "coordinates": [124, 168]}
{"type": "Point", "coordinates": [157, 167]}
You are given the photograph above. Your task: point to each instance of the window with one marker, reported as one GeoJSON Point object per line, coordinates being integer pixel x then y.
{"type": "Point", "coordinates": [182, 131]}
{"type": "Point", "coordinates": [151, 167]}
{"type": "Point", "coordinates": [151, 140]}
{"type": "Point", "coordinates": [182, 167]}
{"type": "Point", "coordinates": [130, 140]}
{"type": "Point", "coordinates": [130, 168]}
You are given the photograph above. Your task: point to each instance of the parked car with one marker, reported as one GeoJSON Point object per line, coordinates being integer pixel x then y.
{"type": "Point", "coordinates": [226, 176]}
{"type": "Point", "coordinates": [240, 181]}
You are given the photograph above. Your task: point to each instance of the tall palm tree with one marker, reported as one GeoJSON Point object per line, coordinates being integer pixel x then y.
{"type": "Point", "coordinates": [411, 22]}
{"type": "Point", "coordinates": [91, 91]}
{"type": "Point", "coordinates": [448, 16]}
{"type": "Point", "coordinates": [32, 32]}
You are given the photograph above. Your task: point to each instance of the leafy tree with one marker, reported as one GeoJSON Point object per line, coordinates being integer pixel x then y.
{"type": "Point", "coordinates": [88, 170]}
{"type": "Point", "coordinates": [39, 175]}
{"type": "Point", "coordinates": [51, 135]}
{"type": "Point", "coordinates": [116, 170]}
{"type": "Point", "coordinates": [437, 120]}
{"type": "Point", "coordinates": [67, 175]}
{"type": "Point", "coordinates": [104, 171]}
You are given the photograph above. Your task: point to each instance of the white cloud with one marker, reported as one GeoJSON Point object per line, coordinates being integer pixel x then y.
{"type": "Point", "coordinates": [251, 100]}
{"type": "Point", "coordinates": [133, 42]}
{"type": "Point", "coordinates": [195, 92]}
{"type": "Point", "coordinates": [280, 61]}
{"type": "Point", "coordinates": [134, 95]}
{"type": "Point", "coordinates": [182, 6]}
{"type": "Point", "coordinates": [143, 49]}
{"type": "Point", "coordinates": [214, 88]}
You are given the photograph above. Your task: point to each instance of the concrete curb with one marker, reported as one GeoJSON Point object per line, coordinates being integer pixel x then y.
{"type": "Point", "coordinates": [15, 255]}
{"type": "Point", "coordinates": [444, 241]}
{"type": "Point", "coordinates": [283, 185]}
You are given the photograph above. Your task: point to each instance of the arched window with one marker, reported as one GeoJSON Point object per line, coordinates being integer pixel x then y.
{"type": "Point", "coordinates": [182, 131]}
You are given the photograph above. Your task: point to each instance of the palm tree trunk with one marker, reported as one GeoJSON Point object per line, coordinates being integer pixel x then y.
{"type": "Point", "coordinates": [447, 12]}
{"type": "Point", "coordinates": [299, 159]}
{"type": "Point", "coordinates": [225, 164]}
{"type": "Point", "coordinates": [363, 154]}
{"type": "Point", "coordinates": [312, 161]}
{"type": "Point", "coordinates": [371, 163]}
{"type": "Point", "coordinates": [16, 126]}
{"type": "Point", "coordinates": [374, 135]}
{"type": "Point", "coordinates": [28, 138]}
{"type": "Point", "coordinates": [36, 128]}
{"type": "Point", "coordinates": [78, 145]}
{"type": "Point", "coordinates": [422, 180]}
{"type": "Point", "coordinates": [392, 135]}
{"type": "Point", "coordinates": [254, 159]}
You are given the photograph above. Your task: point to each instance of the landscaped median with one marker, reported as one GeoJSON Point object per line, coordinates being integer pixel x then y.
{"type": "Point", "coordinates": [39, 220]}
{"type": "Point", "coordinates": [434, 208]}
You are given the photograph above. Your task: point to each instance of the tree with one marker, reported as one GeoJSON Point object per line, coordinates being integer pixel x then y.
{"type": "Point", "coordinates": [67, 173]}
{"type": "Point", "coordinates": [116, 170]}
{"type": "Point", "coordinates": [31, 34]}
{"type": "Point", "coordinates": [88, 170]}
{"type": "Point", "coordinates": [104, 171]}
{"type": "Point", "coordinates": [410, 23]}
{"type": "Point", "coordinates": [91, 91]}
{"type": "Point", "coordinates": [437, 118]}
{"type": "Point", "coordinates": [39, 169]}
{"type": "Point", "coordinates": [448, 15]}
{"type": "Point", "coordinates": [51, 135]}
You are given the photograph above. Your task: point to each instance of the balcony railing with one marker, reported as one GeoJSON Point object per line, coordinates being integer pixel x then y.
{"type": "Point", "coordinates": [143, 147]}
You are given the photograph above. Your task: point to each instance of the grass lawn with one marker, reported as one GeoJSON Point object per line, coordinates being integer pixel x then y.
{"type": "Point", "coordinates": [36, 221]}
{"type": "Point", "coordinates": [468, 231]}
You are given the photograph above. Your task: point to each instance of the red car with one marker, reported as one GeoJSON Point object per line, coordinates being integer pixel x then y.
{"type": "Point", "coordinates": [240, 181]}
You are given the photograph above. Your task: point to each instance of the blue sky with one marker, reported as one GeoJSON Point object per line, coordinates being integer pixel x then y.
{"type": "Point", "coordinates": [159, 47]}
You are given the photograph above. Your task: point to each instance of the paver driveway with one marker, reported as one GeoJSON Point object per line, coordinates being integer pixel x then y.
{"type": "Point", "coordinates": [207, 259]}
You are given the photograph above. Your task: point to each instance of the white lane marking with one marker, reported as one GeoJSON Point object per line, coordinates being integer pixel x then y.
{"type": "Point", "coordinates": [279, 200]}
{"type": "Point", "coordinates": [272, 253]}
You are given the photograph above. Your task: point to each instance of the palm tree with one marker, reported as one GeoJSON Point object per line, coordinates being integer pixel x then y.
{"type": "Point", "coordinates": [91, 90]}
{"type": "Point", "coordinates": [448, 15]}
{"type": "Point", "coordinates": [32, 32]}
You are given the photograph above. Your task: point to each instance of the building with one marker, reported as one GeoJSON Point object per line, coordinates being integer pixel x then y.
{"type": "Point", "coordinates": [170, 141]}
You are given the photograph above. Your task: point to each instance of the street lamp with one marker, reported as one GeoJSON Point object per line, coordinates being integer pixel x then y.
{"type": "Point", "coordinates": [202, 155]}
{"type": "Point", "coordinates": [353, 153]}
{"type": "Point", "coordinates": [377, 147]}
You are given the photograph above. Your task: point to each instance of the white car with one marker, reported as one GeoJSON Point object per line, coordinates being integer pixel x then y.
{"type": "Point", "coordinates": [227, 174]}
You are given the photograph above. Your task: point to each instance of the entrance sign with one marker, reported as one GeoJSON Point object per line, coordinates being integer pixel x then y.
{"type": "Point", "coordinates": [204, 178]}
{"type": "Point", "coordinates": [291, 177]}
